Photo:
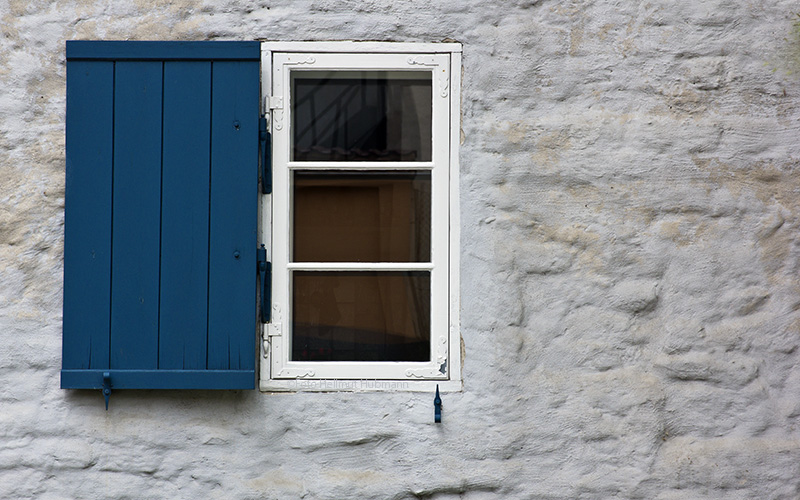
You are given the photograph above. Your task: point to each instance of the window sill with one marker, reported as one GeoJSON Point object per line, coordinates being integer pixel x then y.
{"type": "Point", "coordinates": [365, 385]}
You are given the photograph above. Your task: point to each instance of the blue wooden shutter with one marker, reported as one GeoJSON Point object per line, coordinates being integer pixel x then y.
{"type": "Point", "coordinates": [161, 213]}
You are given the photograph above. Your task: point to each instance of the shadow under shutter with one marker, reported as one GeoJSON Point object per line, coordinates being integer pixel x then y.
{"type": "Point", "coordinates": [161, 214]}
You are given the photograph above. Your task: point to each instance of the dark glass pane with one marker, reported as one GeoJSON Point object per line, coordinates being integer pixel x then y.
{"type": "Point", "coordinates": [361, 116]}
{"type": "Point", "coordinates": [361, 316]}
{"type": "Point", "coordinates": [362, 216]}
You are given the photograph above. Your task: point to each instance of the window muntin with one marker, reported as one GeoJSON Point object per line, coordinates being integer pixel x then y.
{"type": "Point", "coordinates": [429, 266]}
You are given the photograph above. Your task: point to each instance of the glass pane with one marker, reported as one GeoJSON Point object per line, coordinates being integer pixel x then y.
{"type": "Point", "coordinates": [361, 316]}
{"type": "Point", "coordinates": [362, 216]}
{"type": "Point", "coordinates": [361, 115]}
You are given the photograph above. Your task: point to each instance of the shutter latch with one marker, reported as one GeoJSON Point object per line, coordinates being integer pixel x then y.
{"type": "Point", "coordinates": [265, 274]}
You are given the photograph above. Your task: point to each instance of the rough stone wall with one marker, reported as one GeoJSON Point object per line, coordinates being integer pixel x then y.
{"type": "Point", "coordinates": [630, 252]}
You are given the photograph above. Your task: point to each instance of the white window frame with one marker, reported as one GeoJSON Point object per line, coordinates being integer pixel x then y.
{"type": "Point", "coordinates": [277, 372]}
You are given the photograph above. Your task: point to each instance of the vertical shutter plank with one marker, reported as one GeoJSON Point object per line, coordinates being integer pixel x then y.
{"type": "Point", "coordinates": [87, 247]}
{"type": "Point", "coordinates": [184, 218]}
{"type": "Point", "coordinates": [234, 184]}
{"type": "Point", "coordinates": [136, 220]}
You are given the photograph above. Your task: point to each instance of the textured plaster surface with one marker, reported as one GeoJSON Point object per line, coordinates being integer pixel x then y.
{"type": "Point", "coordinates": [630, 211]}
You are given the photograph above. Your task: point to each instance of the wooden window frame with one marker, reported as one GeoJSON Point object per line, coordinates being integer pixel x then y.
{"type": "Point", "coordinates": [443, 60]}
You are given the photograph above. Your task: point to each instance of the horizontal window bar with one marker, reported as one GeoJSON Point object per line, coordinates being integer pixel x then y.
{"type": "Point", "coordinates": [360, 165]}
{"type": "Point", "coordinates": [161, 51]}
{"type": "Point", "coordinates": [360, 266]}
{"type": "Point", "coordinates": [358, 47]}
{"type": "Point", "coordinates": [363, 364]}
{"type": "Point", "coordinates": [159, 379]}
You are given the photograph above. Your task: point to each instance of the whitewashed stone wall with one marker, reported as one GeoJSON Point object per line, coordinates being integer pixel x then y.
{"type": "Point", "coordinates": [631, 267]}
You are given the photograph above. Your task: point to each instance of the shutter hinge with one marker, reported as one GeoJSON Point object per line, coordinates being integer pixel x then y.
{"type": "Point", "coordinates": [275, 330]}
{"type": "Point", "coordinates": [272, 330]}
{"type": "Point", "coordinates": [265, 142]}
{"type": "Point", "coordinates": [274, 105]}
{"type": "Point", "coordinates": [265, 275]}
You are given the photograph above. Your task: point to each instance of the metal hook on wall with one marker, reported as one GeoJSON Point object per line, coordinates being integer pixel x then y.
{"type": "Point", "coordinates": [437, 407]}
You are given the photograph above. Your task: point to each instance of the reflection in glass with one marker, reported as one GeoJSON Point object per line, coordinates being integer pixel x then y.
{"type": "Point", "coordinates": [361, 115]}
{"type": "Point", "coordinates": [362, 216]}
{"type": "Point", "coordinates": [361, 316]}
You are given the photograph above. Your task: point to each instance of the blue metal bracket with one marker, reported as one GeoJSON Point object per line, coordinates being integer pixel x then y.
{"type": "Point", "coordinates": [265, 141]}
{"type": "Point", "coordinates": [265, 274]}
{"type": "Point", "coordinates": [437, 407]}
{"type": "Point", "coordinates": [106, 387]}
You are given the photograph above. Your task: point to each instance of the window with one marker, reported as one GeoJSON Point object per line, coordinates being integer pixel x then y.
{"type": "Point", "coordinates": [363, 233]}
{"type": "Point", "coordinates": [164, 220]}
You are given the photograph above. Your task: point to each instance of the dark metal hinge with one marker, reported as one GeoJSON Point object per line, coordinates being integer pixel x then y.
{"type": "Point", "coordinates": [265, 142]}
{"type": "Point", "coordinates": [265, 275]}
